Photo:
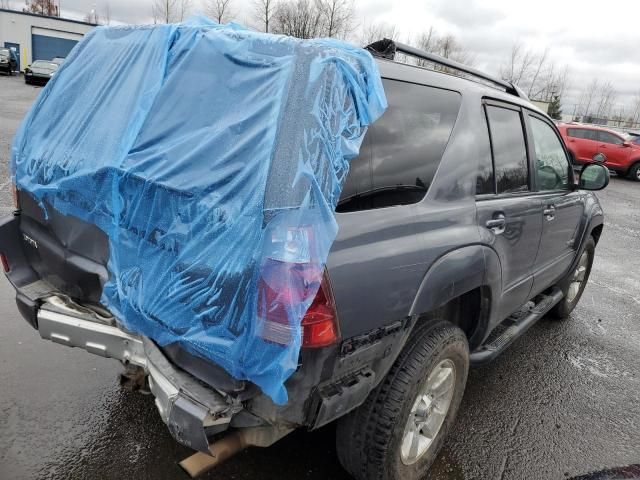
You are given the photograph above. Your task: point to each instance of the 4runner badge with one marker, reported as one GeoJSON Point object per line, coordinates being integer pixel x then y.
{"type": "Point", "coordinates": [30, 240]}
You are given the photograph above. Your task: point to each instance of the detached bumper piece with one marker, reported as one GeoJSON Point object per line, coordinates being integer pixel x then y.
{"type": "Point", "coordinates": [191, 411]}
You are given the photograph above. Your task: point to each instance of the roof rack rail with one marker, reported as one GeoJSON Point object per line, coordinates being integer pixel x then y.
{"type": "Point", "coordinates": [387, 48]}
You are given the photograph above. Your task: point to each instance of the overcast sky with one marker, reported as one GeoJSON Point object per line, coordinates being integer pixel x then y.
{"type": "Point", "coordinates": [596, 39]}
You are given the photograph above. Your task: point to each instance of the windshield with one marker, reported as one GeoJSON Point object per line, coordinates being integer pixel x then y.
{"type": "Point", "coordinates": [45, 65]}
{"type": "Point", "coordinates": [4, 52]}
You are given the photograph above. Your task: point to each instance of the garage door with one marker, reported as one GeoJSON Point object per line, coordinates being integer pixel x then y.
{"type": "Point", "coordinates": [45, 47]}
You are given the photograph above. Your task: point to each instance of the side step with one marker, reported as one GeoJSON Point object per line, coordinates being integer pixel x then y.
{"type": "Point", "coordinates": [514, 326]}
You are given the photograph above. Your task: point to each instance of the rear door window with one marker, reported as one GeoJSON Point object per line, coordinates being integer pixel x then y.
{"type": "Point", "coordinates": [606, 137]}
{"type": "Point", "coordinates": [403, 149]}
{"type": "Point", "coordinates": [509, 149]}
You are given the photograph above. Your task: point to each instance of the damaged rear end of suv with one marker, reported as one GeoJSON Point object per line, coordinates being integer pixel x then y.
{"type": "Point", "coordinates": [186, 235]}
{"type": "Point", "coordinates": [308, 232]}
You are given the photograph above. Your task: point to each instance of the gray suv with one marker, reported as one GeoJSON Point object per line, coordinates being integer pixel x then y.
{"type": "Point", "coordinates": [461, 224]}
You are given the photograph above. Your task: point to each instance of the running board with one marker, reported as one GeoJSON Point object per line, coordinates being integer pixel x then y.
{"type": "Point", "coordinates": [514, 327]}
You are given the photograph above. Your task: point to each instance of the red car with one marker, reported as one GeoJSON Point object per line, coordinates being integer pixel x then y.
{"type": "Point", "coordinates": [583, 142]}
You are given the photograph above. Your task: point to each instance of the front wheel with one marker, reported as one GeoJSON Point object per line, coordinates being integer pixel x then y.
{"type": "Point", "coordinates": [574, 284]}
{"type": "Point", "coordinates": [397, 433]}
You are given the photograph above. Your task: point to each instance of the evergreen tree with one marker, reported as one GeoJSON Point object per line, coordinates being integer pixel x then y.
{"type": "Point", "coordinates": [555, 108]}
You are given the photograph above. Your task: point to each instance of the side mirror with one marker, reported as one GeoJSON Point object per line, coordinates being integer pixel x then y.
{"type": "Point", "coordinates": [594, 176]}
{"type": "Point", "coordinates": [626, 144]}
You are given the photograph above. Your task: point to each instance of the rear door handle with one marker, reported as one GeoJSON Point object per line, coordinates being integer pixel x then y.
{"type": "Point", "coordinates": [549, 212]}
{"type": "Point", "coordinates": [497, 224]}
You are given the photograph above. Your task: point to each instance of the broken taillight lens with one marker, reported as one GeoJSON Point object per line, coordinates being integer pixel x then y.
{"type": "Point", "coordinates": [291, 287]}
{"type": "Point", "coordinates": [5, 263]}
{"type": "Point", "coordinates": [320, 323]}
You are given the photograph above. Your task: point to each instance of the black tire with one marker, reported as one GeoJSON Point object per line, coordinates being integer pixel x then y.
{"type": "Point", "coordinates": [634, 172]}
{"type": "Point", "coordinates": [369, 439]}
{"type": "Point", "coordinates": [564, 307]}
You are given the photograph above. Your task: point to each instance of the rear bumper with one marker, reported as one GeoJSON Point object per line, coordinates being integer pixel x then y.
{"type": "Point", "coordinates": [190, 411]}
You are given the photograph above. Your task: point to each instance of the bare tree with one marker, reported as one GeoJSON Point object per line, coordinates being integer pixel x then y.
{"type": "Point", "coordinates": [336, 17]}
{"type": "Point", "coordinates": [449, 47]}
{"type": "Point", "coordinates": [426, 40]}
{"type": "Point", "coordinates": [519, 64]}
{"type": "Point", "coordinates": [541, 64]}
{"type": "Point", "coordinates": [170, 11]}
{"type": "Point", "coordinates": [184, 8]}
{"type": "Point", "coordinates": [164, 11]}
{"type": "Point", "coordinates": [264, 10]}
{"type": "Point", "coordinates": [635, 109]}
{"type": "Point", "coordinates": [535, 73]}
{"type": "Point", "coordinates": [42, 7]}
{"type": "Point", "coordinates": [298, 18]}
{"type": "Point", "coordinates": [587, 97]}
{"type": "Point", "coordinates": [107, 14]}
{"type": "Point", "coordinates": [606, 99]}
{"type": "Point", "coordinates": [446, 46]}
{"type": "Point", "coordinates": [92, 17]}
{"type": "Point", "coordinates": [219, 10]}
{"type": "Point", "coordinates": [372, 32]}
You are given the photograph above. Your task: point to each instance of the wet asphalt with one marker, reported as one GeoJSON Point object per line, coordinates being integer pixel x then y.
{"type": "Point", "coordinates": [563, 401]}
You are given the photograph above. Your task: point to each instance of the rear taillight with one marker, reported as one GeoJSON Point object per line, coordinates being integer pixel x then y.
{"type": "Point", "coordinates": [5, 263]}
{"type": "Point", "coordinates": [320, 323]}
{"type": "Point", "coordinates": [292, 287]}
{"type": "Point", "coordinates": [14, 194]}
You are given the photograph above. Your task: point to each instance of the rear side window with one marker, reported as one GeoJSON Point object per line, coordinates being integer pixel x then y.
{"type": "Point", "coordinates": [402, 150]}
{"type": "Point", "coordinates": [509, 150]}
{"type": "Point", "coordinates": [606, 137]}
{"type": "Point", "coordinates": [582, 133]}
{"type": "Point", "coordinates": [573, 132]}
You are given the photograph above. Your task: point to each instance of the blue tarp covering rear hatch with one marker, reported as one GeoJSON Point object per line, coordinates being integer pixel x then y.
{"type": "Point", "coordinates": [213, 158]}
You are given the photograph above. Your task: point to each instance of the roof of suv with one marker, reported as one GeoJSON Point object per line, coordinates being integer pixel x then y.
{"type": "Point", "coordinates": [416, 74]}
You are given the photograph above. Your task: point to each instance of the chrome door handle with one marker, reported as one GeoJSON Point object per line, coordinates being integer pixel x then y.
{"type": "Point", "coordinates": [550, 212]}
{"type": "Point", "coordinates": [497, 224]}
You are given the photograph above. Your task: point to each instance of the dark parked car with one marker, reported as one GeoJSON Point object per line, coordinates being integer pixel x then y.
{"type": "Point", "coordinates": [40, 72]}
{"type": "Point", "coordinates": [8, 61]}
{"type": "Point", "coordinates": [460, 225]}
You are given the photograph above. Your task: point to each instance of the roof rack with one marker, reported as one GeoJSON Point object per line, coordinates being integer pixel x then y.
{"type": "Point", "coordinates": [387, 48]}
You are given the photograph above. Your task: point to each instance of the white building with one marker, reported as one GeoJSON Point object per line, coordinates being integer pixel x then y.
{"type": "Point", "coordinates": [38, 37]}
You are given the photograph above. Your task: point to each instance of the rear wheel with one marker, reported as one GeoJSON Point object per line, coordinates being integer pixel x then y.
{"type": "Point", "coordinates": [574, 284]}
{"type": "Point", "coordinates": [398, 431]}
{"type": "Point", "coordinates": [634, 172]}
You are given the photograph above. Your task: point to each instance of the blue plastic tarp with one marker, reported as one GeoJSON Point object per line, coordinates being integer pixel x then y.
{"type": "Point", "coordinates": [213, 158]}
